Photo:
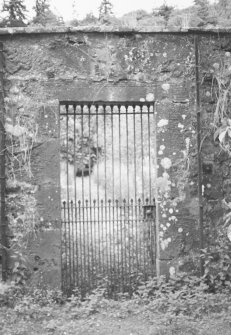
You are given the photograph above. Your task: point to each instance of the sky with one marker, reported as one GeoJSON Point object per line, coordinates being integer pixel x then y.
{"type": "Point", "coordinates": [120, 7]}
{"type": "Point", "coordinates": [64, 8]}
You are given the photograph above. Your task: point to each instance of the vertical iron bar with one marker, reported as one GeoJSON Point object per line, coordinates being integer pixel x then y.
{"type": "Point", "coordinates": [113, 194]}
{"type": "Point", "coordinates": [117, 266]}
{"type": "Point", "coordinates": [149, 155]}
{"type": "Point", "coordinates": [84, 243]}
{"type": "Point", "coordinates": [134, 140]}
{"type": "Point", "coordinates": [112, 153]}
{"type": "Point", "coordinates": [97, 150]}
{"type": "Point", "coordinates": [145, 257]}
{"type": "Point", "coordinates": [67, 146]}
{"type": "Point", "coordinates": [98, 200]}
{"type": "Point", "coordinates": [3, 221]}
{"type": "Point", "coordinates": [110, 245]}
{"type": "Point", "coordinates": [124, 243]}
{"type": "Point", "coordinates": [82, 157]}
{"type": "Point", "coordinates": [135, 194]}
{"type": "Point", "coordinates": [102, 237]}
{"type": "Point", "coordinates": [94, 252]}
{"type": "Point", "coordinates": [89, 154]}
{"type": "Point", "coordinates": [157, 231]}
{"type": "Point", "coordinates": [60, 200]}
{"type": "Point", "coordinates": [141, 233]}
{"type": "Point", "coordinates": [137, 231]}
{"type": "Point", "coordinates": [128, 193]}
{"type": "Point", "coordinates": [114, 241]}
{"type": "Point", "coordinates": [80, 271]}
{"type": "Point", "coordinates": [153, 238]}
{"type": "Point", "coordinates": [105, 188]}
{"type": "Point", "coordinates": [75, 203]}
{"type": "Point", "coordinates": [90, 199]}
{"type": "Point", "coordinates": [68, 196]}
{"type": "Point", "coordinates": [121, 207]}
{"type": "Point", "coordinates": [120, 161]}
{"type": "Point", "coordinates": [106, 242]}
{"type": "Point", "coordinates": [199, 160]}
{"type": "Point", "coordinates": [66, 243]}
{"type": "Point", "coordinates": [128, 202]}
{"type": "Point", "coordinates": [60, 204]}
{"type": "Point", "coordinates": [83, 201]}
{"type": "Point", "coordinates": [75, 189]}
{"type": "Point", "coordinates": [73, 242]}
{"type": "Point", "coordinates": [88, 245]}
{"type": "Point", "coordinates": [142, 152]}
{"type": "Point", "coordinates": [105, 156]}
{"type": "Point", "coordinates": [147, 250]}
{"type": "Point", "coordinates": [132, 240]}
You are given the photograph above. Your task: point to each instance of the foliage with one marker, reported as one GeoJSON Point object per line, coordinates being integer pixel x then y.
{"type": "Point", "coordinates": [223, 8]}
{"type": "Point", "coordinates": [21, 136]}
{"type": "Point", "coordinates": [41, 6]}
{"type": "Point", "coordinates": [89, 19]}
{"type": "Point", "coordinates": [202, 10]}
{"type": "Point", "coordinates": [19, 296]}
{"type": "Point", "coordinates": [217, 256]}
{"type": "Point", "coordinates": [165, 11]}
{"type": "Point", "coordinates": [217, 261]}
{"type": "Point", "coordinates": [105, 9]}
{"type": "Point", "coordinates": [204, 14]}
{"type": "Point", "coordinates": [222, 91]}
{"type": "Point", "coordinates": [176, 306]}
{"type": "Point", "coordinates": [181, 295]}
{"type": "Point", "coordinates": [8, 294]}
{"type": "Point", "coordinates": [47, 18]}
{"type": "Point", "coordinates": [15, 12]}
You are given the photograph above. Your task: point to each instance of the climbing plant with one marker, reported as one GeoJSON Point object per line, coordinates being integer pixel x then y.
{"type": "Point", "coordinates": [217, 256]}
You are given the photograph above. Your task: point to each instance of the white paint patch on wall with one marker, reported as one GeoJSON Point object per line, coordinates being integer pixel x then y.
{"type": "Point", "coordinates": [162, 123]}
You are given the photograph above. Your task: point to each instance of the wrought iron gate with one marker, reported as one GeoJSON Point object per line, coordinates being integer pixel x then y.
{"type": "Point", "coordinates": [107, 191]}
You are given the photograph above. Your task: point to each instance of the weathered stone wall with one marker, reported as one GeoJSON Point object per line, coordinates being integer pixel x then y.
{"type": "Point", "coordinates": [41, 69]}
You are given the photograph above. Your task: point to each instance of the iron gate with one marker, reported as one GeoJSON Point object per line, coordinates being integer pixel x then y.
{"type": "Point", "coordinates": [107, 190]}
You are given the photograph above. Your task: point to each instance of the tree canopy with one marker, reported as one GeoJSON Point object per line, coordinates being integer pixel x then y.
{"type": "Point", "coordinates": [43, 14]}
{"type": "Point", "coordinates": [15, 12]}
{"type": "Point", "coordinates": [165, 11]}
{"type": "Point", "coordinates": [41, 7]}
{"type": "Point", "coordinates": [105, 8]}
{"type": "Point", "coordinates": [202, 10]}
{"type": "Point", "coordinates": [202, 13]}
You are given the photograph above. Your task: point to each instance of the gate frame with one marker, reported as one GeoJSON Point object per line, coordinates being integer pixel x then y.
{"type": "Point", "coordinates": [112, 103]}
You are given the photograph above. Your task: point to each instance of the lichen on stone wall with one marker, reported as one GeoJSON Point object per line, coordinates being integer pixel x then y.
{"type": "Point", "coordinates": [158, 68]}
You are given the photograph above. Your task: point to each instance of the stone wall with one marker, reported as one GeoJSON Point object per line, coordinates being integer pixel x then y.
{"type": "Point", "coordinates": [43, 68]}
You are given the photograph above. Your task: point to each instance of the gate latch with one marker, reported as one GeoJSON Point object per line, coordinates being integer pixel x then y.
{"type": "Point", "coordinates": [149, 212]}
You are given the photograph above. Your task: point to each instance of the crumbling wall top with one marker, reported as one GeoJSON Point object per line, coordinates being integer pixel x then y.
{"type": "Point", "coordinates": [108, 29]}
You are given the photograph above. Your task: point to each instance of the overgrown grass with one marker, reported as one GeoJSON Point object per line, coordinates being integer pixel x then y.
{"type": "Point", "coordinates": [181, 305]}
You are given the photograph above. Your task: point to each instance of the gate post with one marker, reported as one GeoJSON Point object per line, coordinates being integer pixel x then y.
{"type": "Point", "coordinates": [156, 194]}
{"type": "Point", "coordinates": [3, 222]}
